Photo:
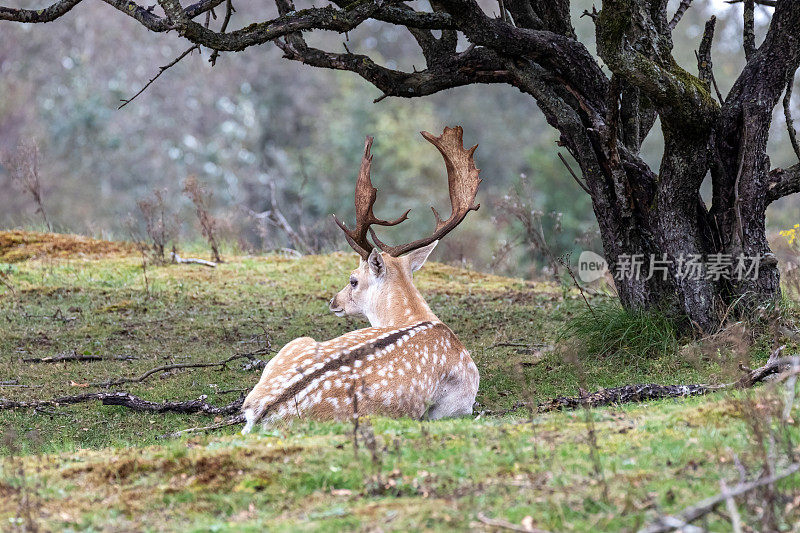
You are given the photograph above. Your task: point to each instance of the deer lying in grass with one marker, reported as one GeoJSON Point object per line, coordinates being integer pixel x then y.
{"type": "Point", "coordinates": [408, 363]}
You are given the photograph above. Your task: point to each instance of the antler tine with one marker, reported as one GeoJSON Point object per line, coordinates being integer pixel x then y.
{"type": "Point", "coordinates": [462, 181]}
{"type": "Point", "coordinates": [365, 197]}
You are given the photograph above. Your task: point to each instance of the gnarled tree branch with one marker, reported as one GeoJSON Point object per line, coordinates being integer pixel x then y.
{"type": "Point", "coordinates": [787, 113]}
{"type": "Point", "coordinates": [748, 29]}
{"type": "Point", "coordinates": [676, 18]}
{"type": "Point", "coordinates": [680, 97]}
{"type": "Point", "coordinates": [783, 182]}
{"type": "Point", "coordinates": [475, 65]}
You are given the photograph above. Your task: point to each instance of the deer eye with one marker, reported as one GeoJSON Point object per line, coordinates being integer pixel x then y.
{"type": "Point", "coordinates": [353, 282]}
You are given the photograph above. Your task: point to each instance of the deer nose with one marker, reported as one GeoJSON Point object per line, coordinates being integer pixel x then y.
{"type": "Point", "coordinates": [335, 308]}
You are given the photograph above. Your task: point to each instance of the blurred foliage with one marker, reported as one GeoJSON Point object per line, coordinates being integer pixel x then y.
{"type": "Point", "coordinates": [255, 120]}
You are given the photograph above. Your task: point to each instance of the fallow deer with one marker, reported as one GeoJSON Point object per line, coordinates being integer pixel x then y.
{"type": "Point", "coordinates": [408, 363]}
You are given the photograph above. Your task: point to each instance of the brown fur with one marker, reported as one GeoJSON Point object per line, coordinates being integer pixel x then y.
{"type": "Point", "coordinates": [408, 364]}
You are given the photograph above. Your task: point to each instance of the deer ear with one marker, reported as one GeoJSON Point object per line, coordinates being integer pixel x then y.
{"type": "Point", "coordinates": [418, 257]}
{"type": "Point", "coordinates": [375, 263]}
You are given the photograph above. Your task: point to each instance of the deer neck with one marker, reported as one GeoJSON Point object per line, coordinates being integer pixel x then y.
{"type": "Point", "coordinates": [401, 304]}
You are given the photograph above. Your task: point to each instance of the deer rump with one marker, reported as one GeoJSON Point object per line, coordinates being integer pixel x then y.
{"type": "Point", "coordinates": [417, 371]}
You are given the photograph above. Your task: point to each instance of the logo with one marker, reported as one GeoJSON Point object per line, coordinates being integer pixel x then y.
{"type": "Point", "coordinates": [591, 266]}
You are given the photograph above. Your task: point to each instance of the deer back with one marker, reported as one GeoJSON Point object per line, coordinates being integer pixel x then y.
{"type": "Point", "coordinates": [388, 371]}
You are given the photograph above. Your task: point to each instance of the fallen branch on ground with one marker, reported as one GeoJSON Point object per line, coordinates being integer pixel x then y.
{"type": "Point", "coordinates": [643, 392]}
{"type": "Point", "coordinates": [75, 356]}
{"type": "Point", "coordinates": [15, 383]}
{"type": "Point", "coordinates": [124, 399]}
{"type": "Point", "coordinates": [238, 419]}
{"type": "Point", "coordinates": [626, 394]}
{"type": "Point", "coordinates": [691, 514]}
{"type": "Point", "coordinates": [183, 260]}
{"type": "Point", "coordinates": [505, 524]}
{"type": "Point", "coordinates": [165, 368]}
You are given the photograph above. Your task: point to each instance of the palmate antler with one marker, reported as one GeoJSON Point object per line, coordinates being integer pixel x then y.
{"type": "Point", "coordinates": [365, 199]}
{"type": "Point", "coordinates": [462, 181]}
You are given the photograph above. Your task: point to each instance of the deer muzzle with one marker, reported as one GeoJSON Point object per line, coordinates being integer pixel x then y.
{"type": "Point", "coordinates": [335, 308]}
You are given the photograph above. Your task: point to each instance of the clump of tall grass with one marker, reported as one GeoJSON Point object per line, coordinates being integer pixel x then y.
{"type": "Point", "coordinates": [609, 329]}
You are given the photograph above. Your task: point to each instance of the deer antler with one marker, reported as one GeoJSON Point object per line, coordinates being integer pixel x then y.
{"type": "Point", "coordinates": [365, 199]}
{"type": "Point", "coordinates": [462, 180]}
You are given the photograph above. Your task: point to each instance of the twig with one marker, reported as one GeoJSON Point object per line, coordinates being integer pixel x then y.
{"type": "Point", "coordinates": [505, 524]}
{"type": "Point", "coordinates": [592, 15]}
{"type": "Point", "coordinates": [16, 383]}
{"type": "Point", "coordinates": [165, 368]}
{"type": "Point", "coordinates": [75, 356]}
{"type": "Point", "coordinates": [787, 113]}
{"type": "Point", "coordinates": [57, 315]}
{"type": "Point", "coordinates": [42, 410]}
{"type": "Point", "coordinates": [62, 358]}
{"type": "Point", "coordinates": [124, 399]}
{"type": "Point", "coordinates": [578, 285]}
{"type": "Point", "coordinates": [22, 166]}
{"type": "Point", "coordinates": [730, 503]}
{"type": "Point", "coordinates": [574, 176]}
{"type": "Point", "coordinates": [238, 419]}
{"type": "Point", "coordinates": [503, 12]}
{"type": "Point", "coordinates": [690, 514]}
{"type": "Point", "coordinates": [229, 391]}
{"type": "Point", "coordinates": [517, 406]}
{"type": "Point", "coordinates": [275, 217]}
{"type": "Point", "coordinates": [184, 260]}
{"type": "Point", "coordinates": [161, 70]}
{"type": "Point", "coordinates": [716, 88]}
{"type": "Point", "coordinates": [201, 198]}
{"type": "Point", "coordinates": [529, 346]}
{"type": "Point", "coordinates": [4, 279]}
{"type": "Point", "coordinates": [767, 3]}
{"type": "Point", "coordinates": [228, 12]}
{"type": "Point", "coordinates": [676, 18]}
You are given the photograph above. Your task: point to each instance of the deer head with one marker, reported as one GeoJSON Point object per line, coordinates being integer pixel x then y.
{"type": "Point", "coordinates": [381, 288]}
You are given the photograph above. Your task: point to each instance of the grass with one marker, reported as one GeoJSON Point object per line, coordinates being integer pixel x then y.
{"type": "Point", "coordinates": [94, 467]}
{"type": "Point", "coordinates": [608, 328]}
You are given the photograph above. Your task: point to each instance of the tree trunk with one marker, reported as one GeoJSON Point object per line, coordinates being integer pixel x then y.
{"type": "Point", "coordinates": [662, 234]}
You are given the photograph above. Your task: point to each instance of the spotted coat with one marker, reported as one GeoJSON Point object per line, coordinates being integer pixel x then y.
{"type": "Point", "coordinates": [417, 370]}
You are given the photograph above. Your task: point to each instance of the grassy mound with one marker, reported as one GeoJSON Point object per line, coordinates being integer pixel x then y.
{"type": "Point", "coordinates": [18, 245]}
